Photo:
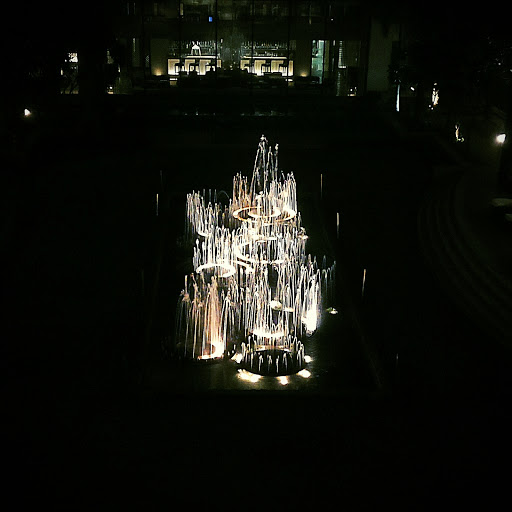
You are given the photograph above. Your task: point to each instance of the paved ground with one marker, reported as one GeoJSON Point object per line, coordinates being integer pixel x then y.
{"type": "Point", "coordinates": [78, 229]}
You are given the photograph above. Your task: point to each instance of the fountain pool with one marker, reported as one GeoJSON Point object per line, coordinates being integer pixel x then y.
{"type": "Point", "coordinates": [255, 295]}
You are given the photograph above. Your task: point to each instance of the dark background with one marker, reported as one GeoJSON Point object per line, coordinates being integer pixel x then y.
{"type": "Point", "coordinates": [85, 421]}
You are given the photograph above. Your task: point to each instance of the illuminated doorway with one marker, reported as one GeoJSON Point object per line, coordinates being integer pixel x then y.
{"type": "Point", "coordinates": [317, 58]}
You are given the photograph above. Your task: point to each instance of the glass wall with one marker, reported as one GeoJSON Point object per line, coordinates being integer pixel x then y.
{"type": "Point", "coordinates": [317, 59]}
{"type": "Point", "coordinates": [257, 39]}
{"type": "Point", "coordinates": [197, 56]}
{"type": "Point", "coordinates": [270, 52]}
{"type": "Point", "coordinates": [349, 68]}
{"type": "Point", "coordinates": [247, 35]}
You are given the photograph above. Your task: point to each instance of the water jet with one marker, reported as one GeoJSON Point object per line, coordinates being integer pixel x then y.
{"type": "Point", "coordinates": [253, 284]}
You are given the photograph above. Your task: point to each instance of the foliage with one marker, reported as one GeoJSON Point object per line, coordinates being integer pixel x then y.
{"type": "Point", "coordinates": [463, 51]}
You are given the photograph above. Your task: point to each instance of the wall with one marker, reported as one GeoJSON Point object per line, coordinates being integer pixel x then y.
{"type": "Point", "coordinates": [379, 55]}
{"type": "Point", "coordinates": [302, 61]}
{"type": "Point", "coordinates": [159, 49]}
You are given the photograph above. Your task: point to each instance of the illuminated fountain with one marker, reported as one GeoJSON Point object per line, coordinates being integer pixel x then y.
{"type": "Point", "coordinates": [255, 295]}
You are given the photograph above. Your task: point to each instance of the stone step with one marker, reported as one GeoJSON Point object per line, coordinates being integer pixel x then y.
{"type": "Point", "coordinates": [475, 245]}
{"type": "Point", "coordinates": [492, 279]}
{"type": "Point", "coordinates": [480, 294]}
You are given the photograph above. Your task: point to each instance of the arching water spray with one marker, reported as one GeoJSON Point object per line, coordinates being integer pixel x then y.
{"type": "Point", "coordinates": [253, 284]}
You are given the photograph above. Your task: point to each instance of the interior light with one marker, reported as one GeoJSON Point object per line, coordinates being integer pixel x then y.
{"type": "Point", "coordinates": [27, 112]}
{"type": "Point", "coordinates": [500, 138]}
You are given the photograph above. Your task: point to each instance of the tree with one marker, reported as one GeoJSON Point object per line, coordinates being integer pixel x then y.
{"type": "Point", "coordinates": [466, 52]}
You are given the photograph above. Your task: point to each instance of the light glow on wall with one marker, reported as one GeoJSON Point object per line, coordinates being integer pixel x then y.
{"type": "Point", "coordinates": [435, 96]}
{"type": "Point", "coordinates": [458, 136]}
{"type": "Point", "coordinates": [248, 376]}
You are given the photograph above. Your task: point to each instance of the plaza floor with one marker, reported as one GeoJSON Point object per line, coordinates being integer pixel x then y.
{"type": "Point", "coordinates": [406, 388]}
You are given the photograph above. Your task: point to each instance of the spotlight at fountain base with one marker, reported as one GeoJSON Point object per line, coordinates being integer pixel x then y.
{"type": "Point", "coordinates": [209, 355]}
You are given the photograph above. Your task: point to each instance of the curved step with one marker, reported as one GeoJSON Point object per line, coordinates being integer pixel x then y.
{"type": "Point", "coordinates": [486, 286]}
{"type": "Point", "coordinates": [473, 242]}
{"type": "Point", "coordinates": [479, 293]}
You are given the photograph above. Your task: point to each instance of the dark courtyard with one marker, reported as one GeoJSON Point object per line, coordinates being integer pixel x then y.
{"type": "Point", "coordinates": [407, 393]}
{"type": "Point", "coordinates": [407, 402]}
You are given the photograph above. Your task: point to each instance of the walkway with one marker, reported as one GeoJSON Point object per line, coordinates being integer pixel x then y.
{"type": "Point", "coordinates": [468, 244]}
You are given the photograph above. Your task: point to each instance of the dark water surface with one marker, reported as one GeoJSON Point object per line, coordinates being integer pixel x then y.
{"type": "Point", "coordinates": [404, 394]}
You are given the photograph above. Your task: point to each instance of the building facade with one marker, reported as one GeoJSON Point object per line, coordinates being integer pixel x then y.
{"type": "Point", "coordinates": [334, 43]}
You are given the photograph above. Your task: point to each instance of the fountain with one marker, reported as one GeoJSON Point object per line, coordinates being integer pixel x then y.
{"type": "Point", "coordinates": [254, 294]}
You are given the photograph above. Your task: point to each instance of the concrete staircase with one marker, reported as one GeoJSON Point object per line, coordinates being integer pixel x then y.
{"type": "Point", "coordinates": [456, 253]}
